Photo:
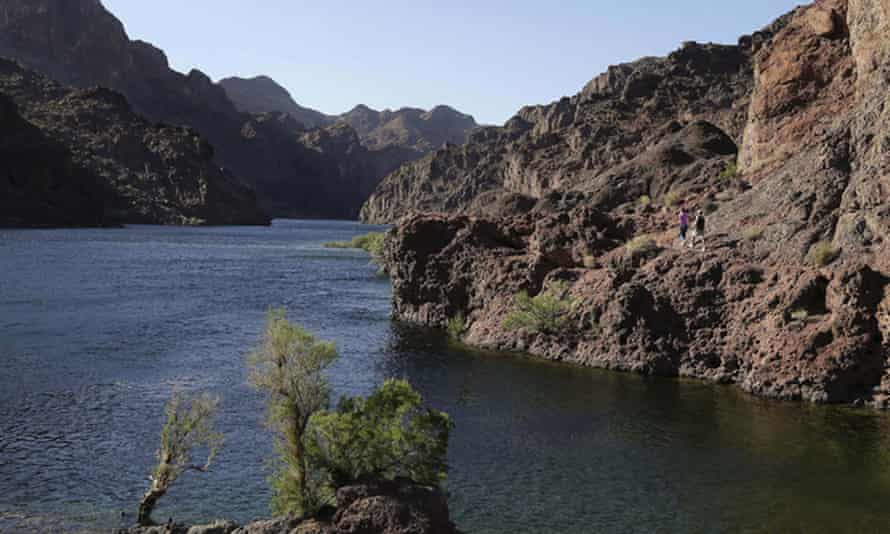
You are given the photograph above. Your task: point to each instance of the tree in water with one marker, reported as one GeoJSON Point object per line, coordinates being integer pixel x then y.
{"type": "Point", "coordinates": [187, 431]}
{"type": "Point", "coordinates": [289, 366]}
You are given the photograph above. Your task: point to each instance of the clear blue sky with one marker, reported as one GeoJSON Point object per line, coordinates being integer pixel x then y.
{"type": "Point", "coordinates": [483, 57]}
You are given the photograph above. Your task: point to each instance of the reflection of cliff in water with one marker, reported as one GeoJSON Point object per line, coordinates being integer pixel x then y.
{"type": "Point", "coordinates": [680, 455]}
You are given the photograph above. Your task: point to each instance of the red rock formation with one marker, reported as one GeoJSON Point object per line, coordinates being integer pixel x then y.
{"type": "Point", "coordinates": [756, 309]}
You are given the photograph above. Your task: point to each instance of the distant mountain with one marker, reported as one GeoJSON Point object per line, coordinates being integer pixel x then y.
{"type": "Point", "coordinates": [420, 130]}
{"type": "Point", "coordinates": [415, 129]}
{"type": "Point", "coordinates": [79, 43]}
{"type": "Point", "coordinates": [263, 95]}
{"type": "Point", "coordinates": [83, 158]}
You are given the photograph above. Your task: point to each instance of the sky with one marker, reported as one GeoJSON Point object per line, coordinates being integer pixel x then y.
{"type": "Point", "coordinates": [487, 58]}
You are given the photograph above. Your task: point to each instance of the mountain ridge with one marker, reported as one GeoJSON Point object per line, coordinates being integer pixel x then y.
{"type": "Point", "coordinates": [80, 43]}
{"type": "Point", "coordinates": [407, 127]}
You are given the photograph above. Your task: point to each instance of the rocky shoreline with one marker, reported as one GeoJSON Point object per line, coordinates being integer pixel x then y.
{"type": "Point", "coordinates": [788, 300]}
{"type": "Point", "coordinates": [379, 507]}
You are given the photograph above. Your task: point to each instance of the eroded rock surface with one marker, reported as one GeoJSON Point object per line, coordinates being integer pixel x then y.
{"type": "Point", "coordinates": [788, 300]}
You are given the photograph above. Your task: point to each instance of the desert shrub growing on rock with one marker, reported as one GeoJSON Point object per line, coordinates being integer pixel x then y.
{"type": "Point", "coordinates": [288, 366]}
{"type": "Point", "coordinates": [387, 435]}
{"type": "Point", "coordinates": [823, 253]}
{"type": "Point", "coordinates": [644, 200]}
{"type": "Point", "coordinates": [456, 327]}
{"type": "Point", "coordinates": [548, 312]}
{"type": "Point", "coordinates": [752, 233]}
{"type": "Point", "coordinates": [641, 244]}
{"type": "Point", "coordinates": [672, 198]}
{"type": "Point", "coordinates": [800, 315]}
{"type": "Point", "coordinates": [187, 433]}
{"type": "Point", "coordinates": [731, 171]}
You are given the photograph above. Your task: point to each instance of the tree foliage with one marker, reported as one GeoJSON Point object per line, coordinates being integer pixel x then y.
{"type": "Point", "coordinates": [547, 312]}
{"type": "Point", "coordinates": [188, 431]}
{"type": "Point", "coordinates": [288, 366]}
{"type": "Point", "coordinates": [387, 435]}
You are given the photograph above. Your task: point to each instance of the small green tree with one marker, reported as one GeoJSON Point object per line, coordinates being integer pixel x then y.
{"type": "Point", "coordinates": [456, 327]}
{"type": "Point", "coordinates": [390, 434]}
{"type": "Point", "coordinates": [546, 313]}
{"type": "Point", "coordinates": [187, 430]}
{"type": "Point", "coordinates": [289, 367]}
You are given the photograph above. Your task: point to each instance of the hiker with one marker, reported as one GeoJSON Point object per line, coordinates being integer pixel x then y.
{"type": "Point", "coordinates": [699, 233]}
{"type": "Point", "coordinates": [684, 224]}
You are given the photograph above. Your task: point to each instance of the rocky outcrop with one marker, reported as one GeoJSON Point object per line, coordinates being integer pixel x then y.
{"type": "Point", "coordinates": [262, 94]}
{"type": "Point", "coordinates": [79, 43]}
{"type": "Point", "coordinates": [580, 142]}
{"type": "Point", "coordinates": [385, 507]}
{"type": "Point", "coordinates": [790, 298]}
{"type": "Point", "coordinates": [83, 158]}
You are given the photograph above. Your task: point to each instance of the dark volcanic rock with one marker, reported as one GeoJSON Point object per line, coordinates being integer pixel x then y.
{"type": "Point", "coordinates": [396, 507]}
{"type": "Point", "coordinates": [82, 157]}
{"type": "Point", "coordinates": [580, 142]}
{"type": "Point", "coordinates": [39, 183]}
{"type": "Point", "coordinates": [805, 104]}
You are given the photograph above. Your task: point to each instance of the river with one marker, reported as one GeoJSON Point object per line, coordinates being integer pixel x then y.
{"type": "Point", "coordinates": [97, 327]}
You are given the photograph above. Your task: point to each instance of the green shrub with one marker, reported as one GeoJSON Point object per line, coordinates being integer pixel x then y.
{"type": "Point", "coordinates": [800, 315]}
{"type": "Point", "coordinates": [188, 429]}
{"type": "Point", "coordinates": [644, 200]}
{"type": "Point", "coordinates": [672, 198]}
{"type": "Point", "coordinates": [641, 244]}
{"type": "Point", "coordinates": [456, 327]}
{"type": "Point", "coordinates": [390, 434]}
{"type": "Point", "coordinates": [387, 435]}
{"type": "Point", "coordinates": [731, 171]}
{"type": "Point", "coordinates": [590, 262]}
{"type": "Point", "coordinates": [823, 253]}
{"type": "Point", "coordinates": [289, 367]}
{"type": "Point", "coordinates": [372, 243]}
{"type": "Point", "coordinates": [752, 233]}
{"type": "Point", "coordinates": [547, 313]}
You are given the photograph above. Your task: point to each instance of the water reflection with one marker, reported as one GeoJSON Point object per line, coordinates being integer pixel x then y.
{"type": "Point", "coordinates": [546, 448]}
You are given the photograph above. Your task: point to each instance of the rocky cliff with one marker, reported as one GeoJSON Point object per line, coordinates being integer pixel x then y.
{"type": "Point", "coordinates": [83, 158]}
{"type": "Point", "coordinates": [79, 43]}
{"type": "Point", "coordinates": [789, 298]}
{"type": "Point", "coordinates": [596, 140]}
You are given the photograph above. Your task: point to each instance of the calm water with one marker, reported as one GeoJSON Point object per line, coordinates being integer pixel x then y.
{"type": "Point", "coordinates": [98, 326]}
